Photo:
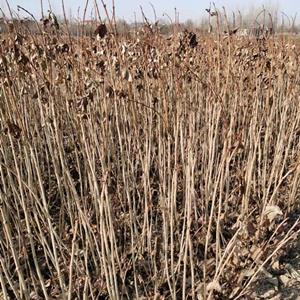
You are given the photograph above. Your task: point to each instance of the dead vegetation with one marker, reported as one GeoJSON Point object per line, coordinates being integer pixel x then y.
{"type": "Point", "coordinates": [146, 168]}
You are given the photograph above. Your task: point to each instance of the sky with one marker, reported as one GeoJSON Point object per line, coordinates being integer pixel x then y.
{"type": "Point", "coordinates": [128, 9]}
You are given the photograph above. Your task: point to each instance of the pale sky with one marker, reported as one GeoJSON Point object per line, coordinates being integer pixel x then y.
{"type": "Point", "coordinates": [126, 9]}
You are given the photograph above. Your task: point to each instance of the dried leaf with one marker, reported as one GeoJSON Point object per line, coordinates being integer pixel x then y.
{"type": "Point", "coordinates": [101, 31]}
{"type": "Point", "coordinates": [214, 286]}
{"type": "Point", "coordinates": [272, 212]}
{"type": "Point", "coordinates": [126, 75]}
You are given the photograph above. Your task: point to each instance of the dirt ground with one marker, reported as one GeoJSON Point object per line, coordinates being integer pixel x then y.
{"type": "Point", "coordinates": [283, 280]}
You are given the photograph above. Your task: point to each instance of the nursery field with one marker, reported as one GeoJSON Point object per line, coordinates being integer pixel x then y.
{"type": "Point", "coordinates": [149, 167]}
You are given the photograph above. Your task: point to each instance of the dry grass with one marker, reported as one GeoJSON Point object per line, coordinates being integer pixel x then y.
{"type": "Point", "coordinates": [146, 168]}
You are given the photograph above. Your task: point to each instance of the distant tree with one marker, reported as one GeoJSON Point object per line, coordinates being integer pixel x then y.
{"type": "Point", "coordinates": [123, 27]}
{"type": "Point", "coordinates": [189, 24]}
